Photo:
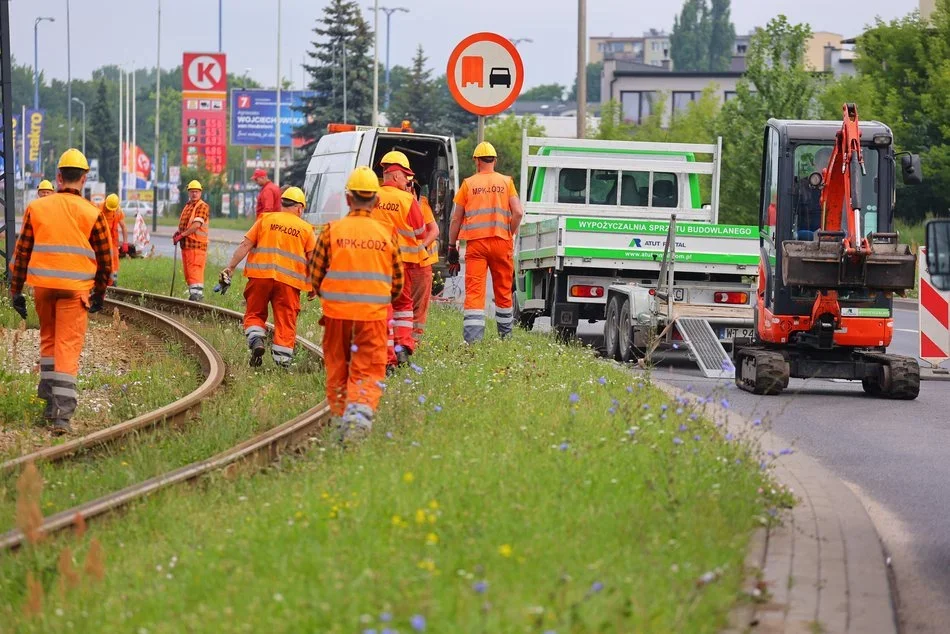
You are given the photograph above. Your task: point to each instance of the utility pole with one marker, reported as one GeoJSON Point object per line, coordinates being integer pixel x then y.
{"type": "Point", "coordinates": [158, 113]}
{"type": "Point", "coordinates": [389, 14]}
{"type": "Point", "coordinates": [83, 104]}
{"type": "Point", "coordinates": [220, 23]}
{"type": "Point", "coordinates": [69, 83]}
{"type": "Point", "coordinates": [121, 135]}
{"type": "Point", "coordinates": [376, 63]}
{"type": "Point", "coordinates": [36, 62]}
{"type": "Point", "coordinates": [277, 124]}
{"type": "Point", "coordinates": [581, 68]}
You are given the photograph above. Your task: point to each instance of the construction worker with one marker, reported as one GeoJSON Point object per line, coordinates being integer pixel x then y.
{"type": "Point", "coordinates": [487, 216]}
{"type": "Point", "coordinates": [405, 214]}
{"type": "Point", "coordinates": [63, 252]}
{"type": "Point", "coordinates": [193, 235]}
{"type": "Point", "coordinates": [115, 219]}
{"type": "Point", "coordinates": [357, 272]}
{"type": "Point", "coordinates": [268, 199]}
{"type": "Point", "coordinates": [278, 248]}
{"type": "Point", "coordinates": [422, 283]}
{"type": "Point", "coordinates": [45, 189]}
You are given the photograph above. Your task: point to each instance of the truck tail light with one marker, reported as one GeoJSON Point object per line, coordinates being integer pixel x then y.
{"type": "Point", "coordinates": [584, 290]}
{"type": "Point", "coordinates": [723, 297]}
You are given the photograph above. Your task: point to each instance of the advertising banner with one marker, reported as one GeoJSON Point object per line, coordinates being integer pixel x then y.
{"type": "Point", "coordinates": [203, 114]}
{"type": "Point", "coordinates": [254, 113]}
{"type": "Point", "coordinates": [34, 137]}
{"type": "Point", "coordinates": [16, 148]}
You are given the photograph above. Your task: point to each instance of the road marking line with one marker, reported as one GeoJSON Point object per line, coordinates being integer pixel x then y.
{"type": "Point", "coordinates": [906, 330]}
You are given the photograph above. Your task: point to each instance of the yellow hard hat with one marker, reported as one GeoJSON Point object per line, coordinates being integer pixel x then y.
{"type": "Point", "coordinates": [395, 157]}
{"type": "Point", "coordinates": [484, 149]}
{"type": "Point", "coordinates": [112, 202]}
{"type": "Point", "coordinates": [363, 181]}
{"type": "Point", "coordinates": [73, 158]}
{"type": "Point", "coordinates": [194, 185]}
{"type": "Point", "coordinates": [295, 194]}
{"type": "Point", "coordinates": [45, 186]}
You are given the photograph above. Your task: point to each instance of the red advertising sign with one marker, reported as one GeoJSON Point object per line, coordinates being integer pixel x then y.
{"type": "Point", "coordinates": [204, 111]}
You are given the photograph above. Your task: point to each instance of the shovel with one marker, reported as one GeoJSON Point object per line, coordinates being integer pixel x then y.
{"type": "Point", "coordinates": [171, 292]}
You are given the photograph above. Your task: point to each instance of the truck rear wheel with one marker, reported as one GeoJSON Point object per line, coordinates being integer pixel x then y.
{"type": "Point", "coordinates": [628, 352]}
{"type": "Point", "coordinates": [612, 329]}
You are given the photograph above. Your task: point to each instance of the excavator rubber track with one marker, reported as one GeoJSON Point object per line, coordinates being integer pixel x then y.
{"type": "Point", "coordinates": [769, 371]}
{"type": "Point", "coordinates": [899, 378]}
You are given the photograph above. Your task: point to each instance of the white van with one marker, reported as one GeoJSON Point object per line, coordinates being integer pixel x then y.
{"type": "Point", "coordinates": [343, 148]}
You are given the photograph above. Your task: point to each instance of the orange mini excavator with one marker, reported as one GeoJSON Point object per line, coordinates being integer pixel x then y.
{"type": "Point", "coordinates": [830, 261]}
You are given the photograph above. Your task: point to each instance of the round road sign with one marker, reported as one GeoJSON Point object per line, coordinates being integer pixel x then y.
{"type": "Point", "coordinates": [485, 73]}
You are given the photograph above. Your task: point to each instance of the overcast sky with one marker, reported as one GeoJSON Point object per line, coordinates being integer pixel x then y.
{"type": "Point", "coordinates": [123, 31]}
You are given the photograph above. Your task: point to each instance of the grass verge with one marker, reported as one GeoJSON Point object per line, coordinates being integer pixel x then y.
{"type": "Point", "coordinates": [515, 486]}
{"type": "Point", "coordinates": [241, 223]}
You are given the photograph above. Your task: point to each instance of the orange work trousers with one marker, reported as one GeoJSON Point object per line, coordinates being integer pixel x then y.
{"type": "Point", "coordinates": [284, 299]}
{"type": "Point", "coordinates": [403, 311]}
{"type": "Point", "coordinates": [390, 337]}
{"type": "Point", "coordinates": [193, 262]}
{"type": "Point", "coordinates": [481, 256]}
{"type": "Point", "coordinates": [354, 355]}
{"type": "Point", "coordinates": [421, 277]}
{"type": "Point", "coordinates": [64, 317]}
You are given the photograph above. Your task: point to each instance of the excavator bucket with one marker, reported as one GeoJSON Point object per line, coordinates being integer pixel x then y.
{"type": "Point", "coordinates": [824, 263]}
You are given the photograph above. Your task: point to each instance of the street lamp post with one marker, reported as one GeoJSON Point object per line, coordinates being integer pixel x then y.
{"type": "Point", "coordinates": [244, 159]}
{"type": "Point", "coordinates": [83, 104]}
{"type": "Point", "coordinates": [581, 68]}
{"type": "Point", "coordinates": [36, 63]}
{"type": "Point", "coordinates": [69, 81]}
{"type": "Point", "coordinates": [158, 115]}
{"type": "Point", "coordinates": [389, 14]}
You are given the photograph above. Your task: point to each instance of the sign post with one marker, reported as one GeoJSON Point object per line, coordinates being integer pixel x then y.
{"type": "Point", "coordinates": [485, 75]}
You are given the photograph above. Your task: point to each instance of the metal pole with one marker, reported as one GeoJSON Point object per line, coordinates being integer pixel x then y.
{"type": "Point", "coordinates": [376, 63]}
{"type": "Point", "coordinates": [36, 62]}
{"type": "Point", "coordinates": [83, 104]}
{"type": "Point", "coordinates": [134, 148]}
{"type": "Point", "coordinates": [69, 83]}
{"type": "Point", "coordinates": [158, 112]}
{"type": "Point", "coordinates": [121, 136]}
{"type": "Point", "coordinates": [389, 14]}
{"type": "Point", "coordinates": [128, 132]}
{"type": "Point", "coordinates": [481, 128]}
{"type": "Point", "coordinates": [6, 94]}
{"type": "Point", "coordinates": [220, 22]}
{"type": "Point", "coordinates": [277, 124]}
{"type": "Point", "coordinates": [581, 68]}
{"type": "Point", "coordinates": [244, 159]}
{"type": "Point", "coordinates": [343, 47]}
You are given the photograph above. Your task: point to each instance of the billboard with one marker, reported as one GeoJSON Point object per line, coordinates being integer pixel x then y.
{"type": "Point", "coordinates": [254, 113]}
{"type": "Point", "coordinates": [204, 82]}
{"type": "Point", "coordinates": [33, 132]}
{"type": "Point", "coordinates": [139, 165]}
{"type": "Point", "coordinates": [16, 148]}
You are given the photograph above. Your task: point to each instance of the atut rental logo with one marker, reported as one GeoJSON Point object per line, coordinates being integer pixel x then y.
{"type": "Point", "coordinates": [204, 72]}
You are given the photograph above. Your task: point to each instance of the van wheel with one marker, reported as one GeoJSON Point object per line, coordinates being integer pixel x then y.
{"type": "Point", "coordinates": [612, 330]}
{"type": "Point", "coordinates": [627, 351]}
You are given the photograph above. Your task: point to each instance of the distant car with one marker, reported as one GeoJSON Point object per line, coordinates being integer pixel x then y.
{"type": "Point", "coordinates": [498, 76]}
{"type": "Point", "coordinates": [133, 207]}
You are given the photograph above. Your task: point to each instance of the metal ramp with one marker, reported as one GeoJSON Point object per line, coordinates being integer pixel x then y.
{"type": "Point", "coordinates": [703, 343]}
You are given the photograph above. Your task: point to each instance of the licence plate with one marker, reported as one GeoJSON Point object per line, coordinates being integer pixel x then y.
{"type": "Point", "coordinates": [727, 334]}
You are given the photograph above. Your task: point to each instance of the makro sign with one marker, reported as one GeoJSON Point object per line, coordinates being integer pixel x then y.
{"type": "Point", "coordinates": [33, 132]}
{"type": "Point", "coordinates": [254, 115]}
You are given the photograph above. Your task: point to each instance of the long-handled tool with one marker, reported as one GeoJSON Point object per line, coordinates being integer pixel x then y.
{"type": "Point", "coordinates": [171, 292]}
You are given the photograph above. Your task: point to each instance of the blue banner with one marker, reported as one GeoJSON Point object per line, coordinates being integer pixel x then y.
{"type": "Point", "coordinates": [254, 112]}
{"type": "Point", "coordinates": [33, 130]}
{"type": "Point", "coordinates": [16, 148]}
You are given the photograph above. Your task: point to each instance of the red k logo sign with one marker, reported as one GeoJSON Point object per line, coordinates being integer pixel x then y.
{"type": "Point", "coordinates": [204, 72]}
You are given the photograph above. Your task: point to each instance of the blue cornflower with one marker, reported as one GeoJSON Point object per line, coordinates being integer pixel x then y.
{"type": "Point", "coordinates": [415, 368]}
{"type": "Point", "coordinates": [683, 427]}
{"type": "Point", "coordinates": [385, 617]}
{"type": "Point", "coordinates": [574, 397]}
{"type": "Point", "coordinates": [563, 446]}
{"type": "Point", "coordinates": [629, 389]}
{"type": "Point", "coordinates": [480, 587]}
{"type": "Point", "coordinates": [612, 411]}
{"type": "Point", "coordinates": [596, 587]}
{"type": "Point", "coordinates": [786, 452]}
{"type": "Point", "coordinates": [693, 416]}
{"type": "Point", "coordinates": [438, 408]}
{"type": "Point", "coordinates": [631, 431]}
{"type": "Point", "coordinates": [418, 623]}
{"type": "Point", "coordinates": [646, 406]}
{"type": "Point", "coordinates": [697, 437]}
{"type": "Point", "coordinates": [730, 437]}
{"type": "Point", "coordinates": [677, 441]}
{"type": "Point", "coordinates": [664, 407]}
{"type": "Point", "coordinates": [757, 422]}
{"type": "Point", "coordinates": [602, 380]}
{"type": "Point", "coordinates": [380, 385]}
{"type": "Point", "coordinates": [422, 399]}
{"type": "Point", "coordinates": [724, 403]}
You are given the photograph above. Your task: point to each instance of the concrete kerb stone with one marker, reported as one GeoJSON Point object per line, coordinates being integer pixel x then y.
{"type": "Point", "coordinates": [823, 569]}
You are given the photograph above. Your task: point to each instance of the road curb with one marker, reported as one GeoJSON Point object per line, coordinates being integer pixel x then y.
{"type": "Point", "coordinates": [902, 302]}
{"type": "Point", "coordinates": [824, 567]}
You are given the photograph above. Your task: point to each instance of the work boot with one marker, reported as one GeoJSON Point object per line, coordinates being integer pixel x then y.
{"type": "Point", "coordinates": [195, 297]}
{"type": "Point", "coordinates": [402, 356]}
{"type": "Point", "coordinates": [256, 345]}
{"type": "Point", "coordinates": [60, 426]}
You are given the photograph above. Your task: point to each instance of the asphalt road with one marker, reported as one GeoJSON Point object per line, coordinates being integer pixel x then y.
{"type": "Point", "coordinates": [894, 454]}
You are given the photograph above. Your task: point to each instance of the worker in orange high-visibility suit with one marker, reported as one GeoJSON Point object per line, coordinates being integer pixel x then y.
{"type": "Point", "coordinates": [44, 189]}
{"type": "Point", "coordinates": [487, 216]}
{"type": "Point", "coordinates": [193, 235]}
{"type": "Point", "coordinates": [268, 198]}
{"type": "Point", "coordinates": [406, 216]}
{"type": "Point", "coordinates": [357, 271]}
{"type": "Point", "coordinates": [278, 248]}
{"type": "Point", "coordinates": [422, 282]}
{"type": "Point", "coordinates": [63, 252]}
{"type": "Point", "coordinates": [115, 219]}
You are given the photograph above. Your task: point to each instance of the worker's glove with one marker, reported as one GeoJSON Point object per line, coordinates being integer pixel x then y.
{"type": "Point", "coordinates": [95, 303]}
{"type": "Point", "coordinates": [124, 249]}
{"type": "Point", "coordinates": [19, 304]}
{"type": "Point", "coordinates": [176, 238]}
{"type": "Point", "coordinates": [224, 282]}
{"type": "Point", "coordinates": [454, 266]}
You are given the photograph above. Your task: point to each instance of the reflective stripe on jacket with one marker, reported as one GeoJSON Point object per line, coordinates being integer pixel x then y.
{"type": "Point", "coordinates": [398, 204]}
{"type": "Point", "coordinates": [62, 256]}
{"type": "Point", "coordinates": [280, 252]}
{"type": "Point", "coordinates": [358, 283]}
{"type": "Point", "coordinates": [487, 214]}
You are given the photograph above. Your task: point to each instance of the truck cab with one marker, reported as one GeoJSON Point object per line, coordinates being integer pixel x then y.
{"type": "Point", "coordinates": [344, 147]}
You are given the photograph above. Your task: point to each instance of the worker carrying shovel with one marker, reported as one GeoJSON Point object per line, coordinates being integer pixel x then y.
{"type": "Point", "coordinates": [278, 248]}
{"type": "Point", "coordinates": [192, 234]}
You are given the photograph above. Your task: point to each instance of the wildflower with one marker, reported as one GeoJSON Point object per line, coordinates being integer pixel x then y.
{"type": "Point", "coordinates": [397, 520]}
{"type": "Point", "coordinates": [563, 446]}
{"type": "Point", "coordinates": [278, 597]}
{"type": "Point", "coordinates": [437, 408]}
{"type": "Point", "coordinates": [505, 550]}
{"type": "Point", "coordinates": [385, 617]}
{"type": "Point", "coordinates": [724, 403]}
{"type": "Point", "coordinates": [427, 564]}
{"type": "Point", "coordinates": [693, 416]}
{"type": "Point", "coordinates": [602, 380]}
{"type": "Point", "coordinates": [408, 381]}
{"type": "Point", "coordinates": [677, 441]}
{"type": "Point", "coordinates": [422, 399]}
{"type": "Point", "coordinates": [631, 431]}
{"type": "Point", "coordinates": [683, 427]}
{"type": "Point", "coordinates": [664, 407]}
{"type": "Point", "coordinates": [646, 406]}
{"type": "Point", "coordinates": [420, 516]}
{"type": "Point", "coordinates": [433, 505]}
{"type": "Point", "coordinates": [730, 437]}
{"type": "Point", "coordinates": [786, 452]}
{"type": "Point", "coordinates": [596, 587]}
{"type": "Point", "coordinates": [389, 435]}
{"type": "Point", "coordinates": [629, 389]}
{"type": "Point", "coordinates": [612, 411]}
{"type": "Point", "coordinates": [480, 587]}
{"type": "Point", "coordinates": [418, 623]}
{"type": "Point", "coordinates": [697, 437]}
{"type": "Point", "coordinates": [432, 539]}
{"type": "Point", "coordinates": [415, 368]}
{"type": "Point", "coordinates": [407, 477]}
{"type": "Point", "coordinates": [573, 398]}
{"type": "Point", "coordinates": [679, 411]}
{"type": "Point", "coordinates": [757, 422]}
{"type": "Point", "coordinates": [380, 385]}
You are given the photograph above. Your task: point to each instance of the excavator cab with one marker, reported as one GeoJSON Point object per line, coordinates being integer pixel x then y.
{"type": "Point", "coordinates": [830, 258]}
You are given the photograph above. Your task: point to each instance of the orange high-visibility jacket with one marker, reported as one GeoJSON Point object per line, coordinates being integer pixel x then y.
{"type": "Point", "coordinates": [190, 210]}
{"type": "Point", "coordinates": [358, 283]}
{"type": "Point", "coordinates": [281, 242]}
{"type": "Point", "coordinates": [62, 256]}
{"type": "Point", "coordinates": [428, 216]}
{"type": "Point", "coordinates": [112, 219]}
{"type": "Point", "coordinates": [398, 204]}
{"type": "Point", "coordinates": [487, 214]}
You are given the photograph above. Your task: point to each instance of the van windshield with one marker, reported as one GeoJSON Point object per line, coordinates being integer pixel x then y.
{"type": "Point", "coordinates": [634, 188]}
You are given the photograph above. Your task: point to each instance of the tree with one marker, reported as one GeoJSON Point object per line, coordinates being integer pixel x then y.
{"type": "Point", "coordinates": [102, 139]}
{"type": "Point", "coordinates": [505, 134]}
{"type": "Point", "coordinates": [452, 118]}
{"type": "Point", "coordinates": [343, 37]}
{"type": "Point", "coordinates": [544, 92]}
{"type": "Point", "coordinates": [722, 37]}
{"type": "Point", "coordinates": [416, 99]}
{"type": "Point", "coordinates": [776, 84]}
{"type": "Point", "coordinates": [689, 41]}
{"type": "Point", "coordinates": [594, 72]}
